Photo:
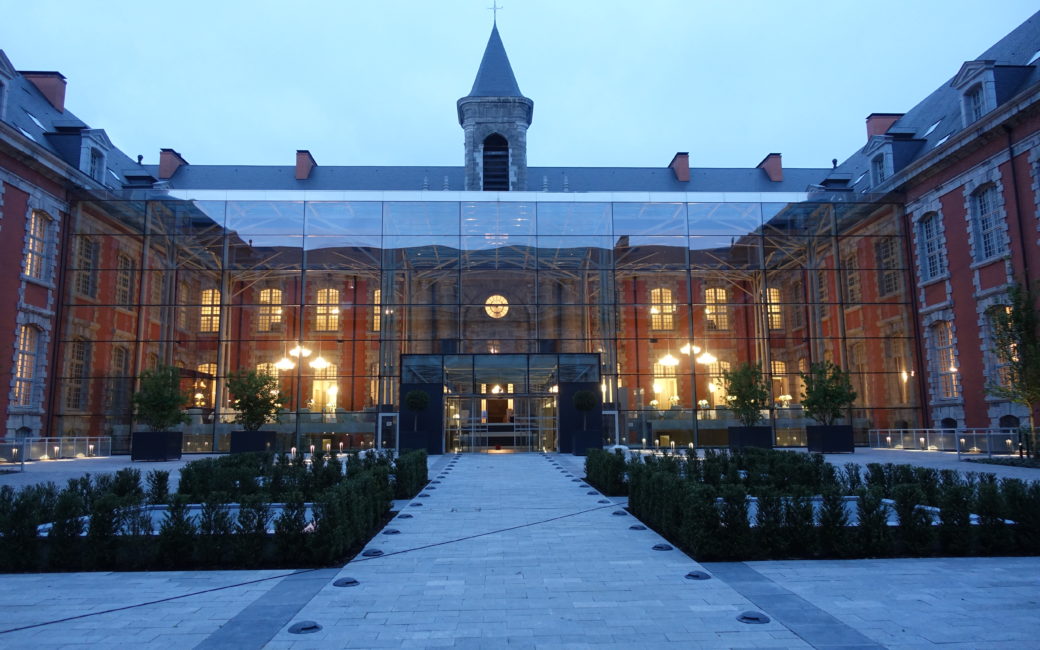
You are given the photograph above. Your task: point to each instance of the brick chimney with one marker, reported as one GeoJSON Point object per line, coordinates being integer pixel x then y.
{"type": "Point", "coordinates": [880, 123]}
{"type": "Point", "coordinates": [680, 166]}
{"type": "Point", "coordinates": [304, 164]}
{"type": "Point", "coordinates": [51, 85]}
{"type": "Point", "coordinates": [773, 167]}
{"type": "Point", "coordinates": [169, 162]}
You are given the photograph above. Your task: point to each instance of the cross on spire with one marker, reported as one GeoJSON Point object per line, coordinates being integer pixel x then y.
{"type": "Point", "coordinates": [494, 11]}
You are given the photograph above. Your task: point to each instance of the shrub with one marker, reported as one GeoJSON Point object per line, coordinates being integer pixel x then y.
{"type": "Point", "coordinates": [101, 535]}
{"type": "Point", "coordinates": [955, 530]}
{"type": "Point", "coordinates": [606, 471]}
{"type": "Point", "coordinates": [64, 538]}
{"type": "Point", "coordinates": [410, 474]}
{"type": "Point", "coordinates": [254, 516]}
{"type": "Point", "coordinates": [158, 486]}
{"type": "Point", "coordinates": [872, 531]}
{"type": "Point", "coordinates": [832, 533]}
{"type": "Point", "coordinates": [216, 526]}
{"type": "Point", "coordinates": [177, 534]}
{"type": "Point", "coordinates": [289, 538]}
{"type": "Point", "coordinates": [915, 523]}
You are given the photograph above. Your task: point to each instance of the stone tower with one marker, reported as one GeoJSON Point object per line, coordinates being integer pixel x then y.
{"type": "Point", "coordinates": [495, 117]}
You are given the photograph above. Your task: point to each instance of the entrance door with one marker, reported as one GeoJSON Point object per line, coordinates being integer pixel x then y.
{"type": "Point", "coordinates": [512, 423]}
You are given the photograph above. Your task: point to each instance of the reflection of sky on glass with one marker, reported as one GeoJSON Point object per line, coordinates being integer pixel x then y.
{"type": "Point", "coordinates": [337, 217]}
{"type": "Point", "coordinates": [574, 219]}
{"type": "Point", "coordinates": [265, 217]}
{"type": "Point", "coordinates": [649, 219]}
{"type": "Point", "coordinates": [420, 218]}
{"type": "Point", "coordinates": [501, 219]}
{"type": "Point", "coordinates": [724, 218]}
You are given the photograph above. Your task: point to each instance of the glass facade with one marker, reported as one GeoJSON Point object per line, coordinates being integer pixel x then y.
{"type": "Point", "coordinates": [330, 294]}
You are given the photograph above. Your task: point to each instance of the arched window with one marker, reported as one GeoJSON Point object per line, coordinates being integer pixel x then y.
{"type": "Point", "coordinates": [662, 309]}
{"type": "Point", "coordinates": [36, 246]}
{"type": "Point", "coordinates": [989, 238]}
{"type": "Point", "coordinates": [25, 364]}
{"type": "Point", "coordinates": [326, 316]}
{"type": "Point", "coordinates": [496, 163]}
{"type": "Point", "coordinates": [932, 247]}
{"type": "Point", "coordinates": [1009, 422]}
{"type": "Point", "coordinates": [270, 315]}
{"type": "Point", "coordinates": [209, 312]}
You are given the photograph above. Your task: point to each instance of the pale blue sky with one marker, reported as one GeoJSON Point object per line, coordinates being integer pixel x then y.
{"type": "Point", "coordinates": [614, 83]}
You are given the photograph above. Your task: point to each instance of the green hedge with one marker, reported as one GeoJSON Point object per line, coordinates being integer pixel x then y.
{"type": "Point", "coordinates": [702, 506]}
{"type": "Point", "coordinates": [410, 474]}
{"type": "Point", "coordinates": [606, 471]}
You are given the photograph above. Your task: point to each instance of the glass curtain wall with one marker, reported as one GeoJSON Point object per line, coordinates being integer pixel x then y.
{"type": "Point", "coordinates": [327, 296]}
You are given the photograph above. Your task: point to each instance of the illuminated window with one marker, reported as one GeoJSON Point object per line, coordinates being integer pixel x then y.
{"type": "Point", "coordinates": [377, 310]}
{"type": "Point", "coordinates": [930, 241]}
{"type": "Point", "coordinates": [205, 385]}
{"type": "Point", "coordinates": [270, 315]}
{"type": "Point", "coordinates": [666, 384]}
{"type": "Point", "coordinates": [779, 374]}
{"type": "Point", "coordinates": [662, 309]}
{"type": "Point", "coordinates": [36, 246]}
{"type": "Point", "coordinates": [853, 293]}
{"type": "Point", "coordinates": [326, 317]}
{"type": "Point", "coordinates": [209, 312]}
{"type": "Point", "coordinates": [717, 381]}
{"type": "Point", "coordinates": [88, 253]}
{"type": "Point", "coordinates": [716, 311]}
{"type": "Point", "coordinates": [267, 368]}
{"type": "Point", "coordinates": [774, 310]}
{"type": "Point", "coordinates": [124, 280]}
{"type": "Point", "coordinates": [25, 364]}
{"type": "Point", "coordinates": [886, 254]}
{"type": "Point", "coordinates": [76, 385]}
{"type": "Point", "coordinates": [989, 238]}
{"type": "Point", "coordinates": [949, 386]}
{"type": "Point", "coordinates": [998, 365]}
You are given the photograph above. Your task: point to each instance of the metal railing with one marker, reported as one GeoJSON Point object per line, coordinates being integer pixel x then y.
{"type": "Point", "coordinates": [1001, 442]}
{"type": "Point", "coordinates": [14, 451]}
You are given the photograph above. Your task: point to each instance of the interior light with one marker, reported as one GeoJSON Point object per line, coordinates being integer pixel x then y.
{"type": "Point", "coordinates": [706, 359]}
{"type": "Point", "coordinates": [284, 364]}
{"type": "Point", "coordinates": [668, 360]}
{"type": "Point", "coordinates": [299, 351]}
{"type": "Point", "coordinates": [319, 363]}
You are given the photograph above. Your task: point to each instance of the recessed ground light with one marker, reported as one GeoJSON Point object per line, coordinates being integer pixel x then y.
{"type": "Point", "coordinates": [423, 495]}
{"type": "Point", "coordinates": [434, 481]}
{"type": "Point", "coordinates": [697, 575]}
{"type": "Point", "coordinates": [603, 501]}
{"type": "Point", "coordinates": [391, 531]}
{"type": "Point", "coordinates": [304, 627]}
{"type": "Point", "coordinates": [592, 493]}
{"type": "Point", "coordinates": [662, 547]}
{"type": "Point", "coordinates": [753, 618]}
{"type": "Point", "coordinates": [372, 552]}
{"type": "Point", "coordinates": [619, 513]}
{"type": "Point", "coordinates": [346, 582]}
{"type": "Point", "coordinates": [404, 516]}
{"type": "Point", "coordinates": [575, 480]}
{"type": "Point", "coordinates": [637, 527]}
{"type": "Point", "coordinates": [415, 505]}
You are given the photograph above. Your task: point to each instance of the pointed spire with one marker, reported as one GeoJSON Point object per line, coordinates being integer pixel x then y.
{"type": "Point", "coordinates": [495, 76]}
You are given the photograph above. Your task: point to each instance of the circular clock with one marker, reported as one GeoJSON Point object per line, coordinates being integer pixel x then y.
{"type": "Point", "coordinates": [496, 306]}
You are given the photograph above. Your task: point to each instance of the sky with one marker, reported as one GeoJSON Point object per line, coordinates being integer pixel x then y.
{"type": "Point", "coordinates": [614, 83]}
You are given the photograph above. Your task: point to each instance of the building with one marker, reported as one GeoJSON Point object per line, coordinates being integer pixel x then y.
{"type": "Point", "coordinates": [501, 290]}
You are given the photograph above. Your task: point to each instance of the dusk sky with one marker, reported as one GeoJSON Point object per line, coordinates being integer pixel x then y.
{"type": "Point", "coordinates": [614, 83]}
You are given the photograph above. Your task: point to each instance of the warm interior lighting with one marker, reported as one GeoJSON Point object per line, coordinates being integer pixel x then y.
{"type": "Point", "coordinates": [299, 351]}
{"type": "Point", "coordinates": [496, 389]}
{"type": "Point", "coordinates": [284, 364]}
{"type": "Point", "coordinates": [668, 360]}
{"type": "Point", "coordinates": [658, 387]}
{"type": "Point", "coordinates": [904, 376]}
{"type": "Point", "coordinates": [953, 368]}
{"type": "Point", "coordinates": [687, 349]}
{"type": "Point", "coordinates": [706, 359]}
{"type": "Point", "coordinates": [712, 387]}
{"type": "Point", "coordinates": [319, 363]}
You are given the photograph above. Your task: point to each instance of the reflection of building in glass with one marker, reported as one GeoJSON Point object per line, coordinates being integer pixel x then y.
{"type": "Point", "coordinates": [519, 287]}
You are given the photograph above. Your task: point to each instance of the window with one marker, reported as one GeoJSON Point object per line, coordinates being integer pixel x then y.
{"type": "Point", "coordinates": [119, 388]}
{"type": "Point", "coordinates": [25, 364]}
{"type": "Point", "coordinates": [795, 298]}
{"type": "Point", "coordinates": [76, 386]}
{"type": "Point", "coordinates": [124, 281]}
{"type": "Point", "coordinates": [717, 382]}
{"type": "Point", "coordinates": [158, 278]}
{"type": "Point", "coordinates": [36, 246]}
{"type": "Point", "coordinates": [887, 257]}
{"type": "Point", "coordinates": [326, 317]}
{"type": "Point", "coordinates": [88, 252]}
{"type": "Point", "coordinates": [270, 316]}
{"type": "Point", "coordinates": [377, 310]}
{"type": "Point", "coordinates": [974, 104]}
{"type": "Point", "coordinates": [779, 378]}
{"type": "Point", "coordinates": [97, 165]}
{"type": "Point", "coordinates": [182, 298]}
{"type": "Point", "coordinates": [205, 385]}
{"type": "Point", "coordinates": [666, 385]}
{"type": "Point", "coordinates": [209, 313]}
{"type": "Point", "coordinates": [949, 386]}
{"type": "Point", "coordinates": [716, 311]}
{"type": "Point", "coordinates": [853, 292]}
{"type": "Point", "coordinates": [662, 310]}
{"type": "Point", "coordinates": [986, 215]}
{"type": "Point", "coordinates": [933, 251]}
{"type": "Point", "coordinates": [998, 366]}
{"type": "Point", "coordinates": [774, 310]}
{"type": "Point", "coordinates": [877, 170]}
{"type": "Point", "coordinates": [267, 368]}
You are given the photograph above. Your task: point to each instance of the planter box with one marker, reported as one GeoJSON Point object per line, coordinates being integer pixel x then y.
{"type": "Point", "coordinates": [740, 437]}
{"type": "Point", "coordinates": [585, 440]}
{"type": "Point", "coordinates": [834, 439]}
{"type": "Point", "coordinates": [244, 442]}
{"type": "Point", "coordinates": [156, 445]}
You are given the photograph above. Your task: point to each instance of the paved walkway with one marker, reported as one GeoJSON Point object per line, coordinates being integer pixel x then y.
{"type": "Point", "coordinates": [509, 550]}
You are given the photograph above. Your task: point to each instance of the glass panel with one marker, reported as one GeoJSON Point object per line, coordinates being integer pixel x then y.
{"type": "Point", "coordinates": [424, 369]}
{"type": "Point", "coordinates": [498, 221]}
{"type": "Point", "coordinates": [574, 219]}
{"type": "Point", "coordinates": [251, 218]}
{"type": "Point", "coordinates": [421, 218]}
{"type": "Point", "coordinates": [341, 218]}
{"type": "Point", "coordinates": [503, 370]}
{"type": "Point", "coordinates": [579, 367]}
{"type": "Point", "coordinates": [649, 219]}
{"type": "Point", "coordinates": [589, 251]}
{"type": "Point", "coordinates": [458, 373]}
{"type": "Point", "coordinates": [724, 218]}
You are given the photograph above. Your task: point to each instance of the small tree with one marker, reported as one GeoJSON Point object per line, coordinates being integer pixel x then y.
{"type": "Point", "coordinates": [255, 396]}
{"type": "Point", "coordinates": [748, 391]}
{"type": "Point", "coordinates": [159, 401]}
{"type": "Point", "coordinates": [584, 401]}
{"type": "Point", "coordinates": [1016, 342]}
{"type": "Point", "coordinates": [416, 401]}
{"type": "Point", "coordinates": [828, 392]}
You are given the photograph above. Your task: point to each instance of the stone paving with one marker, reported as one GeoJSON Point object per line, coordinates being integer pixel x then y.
{"type": "Point", "coordinates": [510, 550]}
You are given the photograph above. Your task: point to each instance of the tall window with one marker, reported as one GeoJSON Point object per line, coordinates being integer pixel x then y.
{"type": "Point", "coordinates": [377, 310]}
{"type": "Point", "coordinates": [209, 312]}
{"type": "Point", "coordinates": [998, 368]}
{"type": "Point", "coordinates": [88, 252]}
{"type": "Point", "coordinates": [182, 299]}
{"type": "Point", "coordinates": [886, 254]}
{"type": "Point", "coordinates": [267, 368]}
{"type": "Point", "coordinates": [716, 311]}
{"type": "Point", "coordinates": [949, 386]}
{"type": "Point", "coordinates": [97, 165]}
{"type": "Point", "coordinates": [326, 317]}
{"type": "Point", "coordinates": [933, 252]}
{"type": "Point", "coordinates": [118, 397]}
{"type": "Point", "coordinates": [662, 309]}
{"type": "Point", "coordinates": [36, 248]}
{"type": "Point", "coordinates": [717, 381]}
{"type": "Point", "coordinates": [270, 316]}
{"type": "Point", "coordinates": [774, 310]}
{"type": "Point", "coordinates": [206, 385]}
{"type": "Point", "coordinates": [76, 383]}
{"type": "Point", "coordinates": [989, 239]}
{"type": "Point", "coordinates": [975, 104]}
{"type": "Point", "coordinates": [25, 364]}
{"type": "Point", "coordinates": [666, 385]}
{"type": "Point", "coordinates": [853, 291]}
{"type": "Point", "coordinates": [124, 281]}
{"type": "Point", "coordinates": [877, 170]}
{"type": "Point", "coordinates": [779, 374]}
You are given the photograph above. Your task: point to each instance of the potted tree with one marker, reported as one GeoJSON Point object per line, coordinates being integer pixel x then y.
{"type": "Point", "coordinates": [828, 394]}
{"type": "Point", "coordinates": [586, 401]}
{"type": "Point", "coordinates": [748, 396]}
{"type": "Point", "coordinates": [158, 404]}
{"type": "Point", "coordinates": [257, 400]}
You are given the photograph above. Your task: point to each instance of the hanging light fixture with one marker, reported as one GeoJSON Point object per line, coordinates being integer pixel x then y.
{"type": "Point", "coordinates": [687, 349]}
{"type": "Point", "coordinates": [707, 359]}
{"type": "Point", "coordinates": [284, 364]}
{"type": "Point", "coordinates": [300, 351]}
{"type": "Point", "coordinates": [319, 363]}
{"type": "Point", "coordinates": [668, 360]}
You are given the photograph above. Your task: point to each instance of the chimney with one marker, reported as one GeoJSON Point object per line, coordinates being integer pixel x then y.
{"type": "Point", "coordinates": [304, 164]}
{"type": "Point", "coordinates": [680, 166]}
{"type": "Point", "coordinates": [169, 162]}
{"type": "Point", "coordinates": [879, 123]}
{"type": "Point", "coordinates": [51, 85]}
{"type": "Point", "coordinates": [773, 167]}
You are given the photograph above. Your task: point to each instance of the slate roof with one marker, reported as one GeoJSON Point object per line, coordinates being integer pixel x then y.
{"type": "Point", "coordinates": [495, 75]}
{"type": "Point", "coordinates": [934, 120]}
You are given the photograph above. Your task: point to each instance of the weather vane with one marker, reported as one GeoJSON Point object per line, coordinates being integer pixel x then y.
{"type": "Point", "coordinates": [494, 11]}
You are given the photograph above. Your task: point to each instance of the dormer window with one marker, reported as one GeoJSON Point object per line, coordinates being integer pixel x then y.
{"type": "Point", "coordinates": [877, 170]}
{"type": "Point", "coordinates": [974, 104]}
{"type": "Point", "coordinates": [97, 165]}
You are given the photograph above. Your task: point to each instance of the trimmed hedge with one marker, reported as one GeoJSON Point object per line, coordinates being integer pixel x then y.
{"type": "Point", "coordinates": [606, 471]}
{"type": "Point", "coordinates": [702, 506]}
{"type": "Point", "coordinates": [410, 474]}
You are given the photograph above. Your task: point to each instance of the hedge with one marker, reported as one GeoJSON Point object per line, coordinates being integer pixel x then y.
{"type": "Point", "coordinates": [410, 474]}
{"type": "Point", "coordinates": [605, 471]}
